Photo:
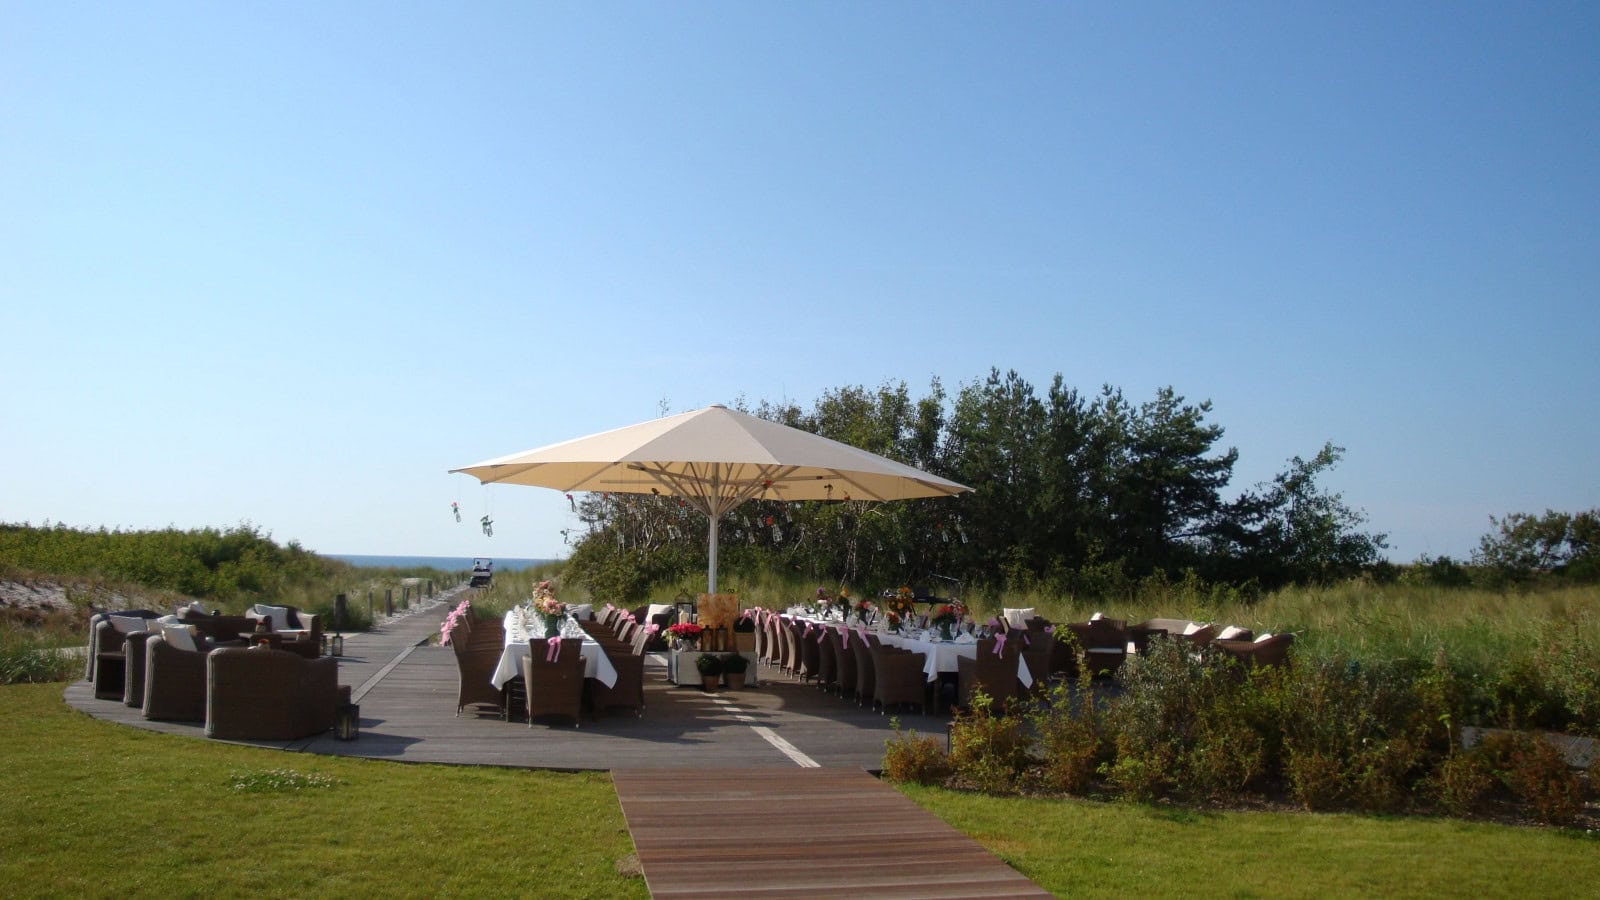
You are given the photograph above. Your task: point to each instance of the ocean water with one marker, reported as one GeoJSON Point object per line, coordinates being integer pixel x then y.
{"type": "Point", "coordinates": [446, 563]}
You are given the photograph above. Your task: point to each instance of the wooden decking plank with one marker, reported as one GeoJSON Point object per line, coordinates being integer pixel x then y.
{"type": "Point", "coordinates": [801, 832]}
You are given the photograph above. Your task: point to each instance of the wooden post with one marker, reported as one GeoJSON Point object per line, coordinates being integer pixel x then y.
{"type": "Point", "coordinates": [388, 602]}
{"type": "Point", "coordinates": [369, 606]}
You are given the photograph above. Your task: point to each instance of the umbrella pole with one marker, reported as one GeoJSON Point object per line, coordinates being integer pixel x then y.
{"type": "Point", "coordinates": [711, 567]}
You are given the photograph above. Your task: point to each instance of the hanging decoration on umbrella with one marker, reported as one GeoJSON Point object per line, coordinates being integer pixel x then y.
{"type": "Point", "coordinates": [487, 525]}
{"type": "Point", "coordinates": [455, 508]}
{"type": "Point", "coordinates": [572, 503]}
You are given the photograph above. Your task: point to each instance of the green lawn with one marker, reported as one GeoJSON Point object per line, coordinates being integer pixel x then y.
{"type": "Point", "coordinates": [1077, 848]}
{"type": "Point", "coordinates": [89, 808]}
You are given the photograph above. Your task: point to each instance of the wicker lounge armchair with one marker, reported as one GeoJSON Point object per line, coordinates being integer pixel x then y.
{"type": "Point", "coordinates": [555, 687]}
{"type": "Point", "coordinates": [260, 694]}
{"type": "Point", "coordinates": [1267, 650]}
{"type": "Point", "coordinates": [174, 682]}
{"type": "Point", "coordinates": [133, 652]}
{"type": "Point", "coordinates": [1104, 643]}
{"type": "Point", "coordinates": [221, 630]}
{"type": "Point", "coordinates": [304, 634]}
{"type": "Point", "coordinates": [897, 679]}
{"type": "Point", "coordinates": [475, 667]}
{"type": "Point", "coordinates": [114, 645]}
{"type": "Point", "coordinates": [994, 675]}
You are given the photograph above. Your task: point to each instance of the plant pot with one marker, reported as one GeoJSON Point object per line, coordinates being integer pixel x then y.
{"type": "Point", "coordinates": [710, 682]}
{"type": "Point", "coordinates": [735, 681]}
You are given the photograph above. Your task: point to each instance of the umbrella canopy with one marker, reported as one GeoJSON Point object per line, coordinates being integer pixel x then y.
{"type": "Point", "coordinates": [715, 459]}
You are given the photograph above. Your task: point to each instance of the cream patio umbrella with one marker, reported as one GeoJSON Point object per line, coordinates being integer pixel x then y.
{"type": "Point", "coordinates": [714, 459]}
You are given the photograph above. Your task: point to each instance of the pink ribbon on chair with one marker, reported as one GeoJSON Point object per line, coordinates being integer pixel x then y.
{"type": "Point", "coordinates": [861, 632]}
{"type": "Point", "coordinates": [807, 632]}
{"type": "Point", "coordinates": [652, 628]}
{"type": "Point", "coordinates": [844, 634]}
{"type": "Point", "coordinates": [994, 624]}
{"type": "Point", "coordinates": [1000, 644]}
{"type": "Point", "coordinates": [822, 634]}
{"type": "Point", "coordinates": [552, 651]}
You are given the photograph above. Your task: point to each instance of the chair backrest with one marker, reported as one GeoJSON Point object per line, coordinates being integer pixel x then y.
{"type": "Point", "coordinates": [865, 669]}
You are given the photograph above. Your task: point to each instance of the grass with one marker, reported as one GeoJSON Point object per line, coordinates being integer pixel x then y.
{"type": "Point", "coordinates": [94, 809]}
{"type": "Point", "coordinates": [1082, 848]}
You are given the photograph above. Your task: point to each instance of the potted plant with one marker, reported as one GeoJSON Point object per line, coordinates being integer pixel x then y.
{"type": "Point", "coordinates": [733, 669]}
{"type": "Point", "coordinates": [710, 668]}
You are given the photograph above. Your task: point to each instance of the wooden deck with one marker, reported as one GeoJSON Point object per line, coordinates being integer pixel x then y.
{"type": "Point", "coordinates": [800, 833]}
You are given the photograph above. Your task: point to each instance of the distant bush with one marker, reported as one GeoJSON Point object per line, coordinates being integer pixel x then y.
{"type": "Point", "coordinates": [204, 563]}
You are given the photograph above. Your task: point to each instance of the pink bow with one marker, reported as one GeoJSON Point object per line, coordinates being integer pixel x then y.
{"type": "Point", "coordinates": [994, 623]}
{"type": "Point", "coordinates": [809, 626]}
{"type": "Point", "coordinates": [861, 632]}
{"type": "Point", "coordinates": [1000, 644]}
{"type": "Point", "coordinates": [552, 649]}
{"type": "Point", "coordinates": [652, 628]}
{"type": "Point", "coordinates": [844, 635]}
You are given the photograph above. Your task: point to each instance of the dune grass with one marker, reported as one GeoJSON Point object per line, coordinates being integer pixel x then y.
{"type": "Point", "coordinates": [1080, 848]}
{"type": "Point", "coordinates": [95, 809]}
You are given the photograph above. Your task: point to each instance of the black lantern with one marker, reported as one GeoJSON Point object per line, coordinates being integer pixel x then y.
{"type": "Point", "coordinates": [347, 722]}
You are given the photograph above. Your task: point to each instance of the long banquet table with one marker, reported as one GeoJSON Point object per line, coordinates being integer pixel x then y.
{"type": "Point", "coordinates": [596, 664]}
{"type": "Point", "coordinates": [939, 656]}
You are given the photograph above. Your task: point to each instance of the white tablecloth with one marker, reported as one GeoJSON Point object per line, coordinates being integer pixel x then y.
{"type": "Point", "coordinates": [596, 664]}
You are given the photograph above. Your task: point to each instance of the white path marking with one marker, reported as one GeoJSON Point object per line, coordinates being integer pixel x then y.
{"type": "Point", "coordinates": [768, 735]}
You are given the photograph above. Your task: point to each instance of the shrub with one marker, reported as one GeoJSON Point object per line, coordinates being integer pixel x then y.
{"type": "Point", "coordinates": [1067, 735]}
{"type": "Point", "coordinates": [1462, 782]}
{"type": "Point", "coordinates": [908, 757]}
{"type": "Point", "coordinates": [1537, 772]}
{"type": "Point", "coordinates": [986, 750]}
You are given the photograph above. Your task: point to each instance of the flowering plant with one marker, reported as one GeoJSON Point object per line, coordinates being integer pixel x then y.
{"type": "Point", "coordinates": [947, 614]}
{"type": "Point", "coordinates": [894, 621]}
{"type": "Point", "coordinates": [824, 599]}
{"type": "Point", "coordinates": [686, 634]}
{"type": "Point", "coordinates": [863, 609]}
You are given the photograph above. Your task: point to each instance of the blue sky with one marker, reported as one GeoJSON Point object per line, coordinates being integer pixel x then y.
{"type": "Point", "coordinates": [289, 263]}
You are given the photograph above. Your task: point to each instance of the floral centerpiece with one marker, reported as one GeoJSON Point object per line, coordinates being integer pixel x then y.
{"type": "Point", "coordinates": [685, 635]}
{"type": "Point", "coordinates": [863, 609]}
{"type": "Point", "coordinates": [945, 616]}
{"type": "Point", "coordinates": [894, 620]}
{"type": "Point", "coordinates": [902, 601]}
{"type": "Point", "coordinates": [548, 608]}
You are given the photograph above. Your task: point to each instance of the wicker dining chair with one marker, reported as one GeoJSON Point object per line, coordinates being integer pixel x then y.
{"type": "Point", "coordinates": [844, 660]}
{"type": "Point", "coordinates": [994, 675]}
{"type": "Point", "coordinates": [555, 687]}
{"type": "Point", "coordinates": [810, 656]}
{"type": "Point", "coordinates": [898, 679]}
{"type": "Point", "coordinates": [629, 688]}
{"type": "Point", "coordinates": [866, 671]}
{"type": "Point", "coordinates": [475, 667]}
{"type": "Point", "coordinates": [790, 661]}
{"type": "Point", "coordinates": [827, 660]}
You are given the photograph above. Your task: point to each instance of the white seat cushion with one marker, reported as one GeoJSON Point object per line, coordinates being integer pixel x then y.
{"type": "Point", "coordinates": [179, 637]}
{"type": "Point", "coordinates": [1018, 618]}
{"type": "Point", "coordinates": [581, 612]}
{"type": "Point", "coordinates": [130, 624]}
{"type": "Point", "coordinates": [276, 616]}
{"type": "Point", "coordinates": [1263, 637]}
{"type": "Point", "coordinates": [1192, 627]}
{"type": "Point", "coordinates": [1230, 633]}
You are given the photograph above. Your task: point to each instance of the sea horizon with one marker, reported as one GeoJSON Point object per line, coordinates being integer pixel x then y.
{"type": "Point", "coordinates": [444, 563]}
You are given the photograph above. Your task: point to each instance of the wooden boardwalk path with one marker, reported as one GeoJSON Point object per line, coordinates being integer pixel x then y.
{"type": "Point", "coordinates": [799, 833]}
